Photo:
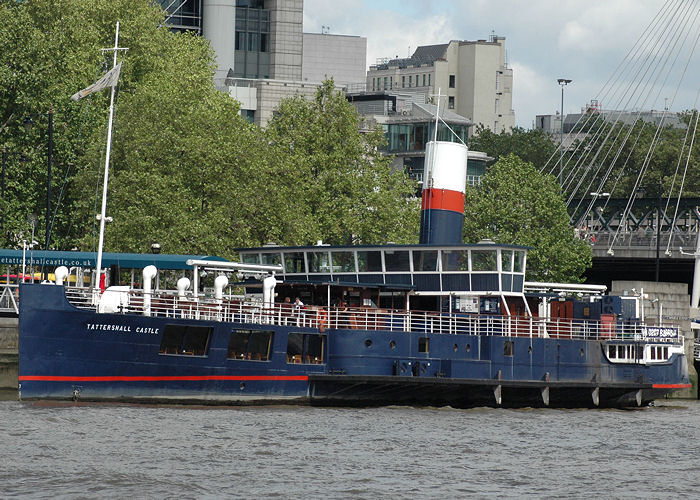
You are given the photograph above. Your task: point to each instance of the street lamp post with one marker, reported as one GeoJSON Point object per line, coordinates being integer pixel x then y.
{"type": "Point", "coordinates": [658, 230]}
{"type": "Point", "coordinates": [563, 82]}
{"type": "Point", "coordinates": [48, 180]}
{"type": "Point", "coordinates": [2, 190]}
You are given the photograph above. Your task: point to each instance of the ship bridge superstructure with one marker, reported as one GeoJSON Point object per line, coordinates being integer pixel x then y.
{"type": "Point", "coordinates": [485, 267]}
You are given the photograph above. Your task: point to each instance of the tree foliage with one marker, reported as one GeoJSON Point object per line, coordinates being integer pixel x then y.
{"type": "Point", "coordinates": [186, 170]}
{"type": "Point", "coordinates": [617, 157]}
{"type": "Point", "coordinates": [341, 186]}
{"type": "Point", "coordinates": [515, 204]}
{"type": "Point", "coordinates": [533, 146]}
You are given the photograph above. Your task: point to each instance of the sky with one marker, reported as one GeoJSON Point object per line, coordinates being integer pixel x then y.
{"type": "Point", "coordinates": [580, 40]}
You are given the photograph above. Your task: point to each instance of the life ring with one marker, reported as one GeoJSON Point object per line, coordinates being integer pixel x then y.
{"type": "Point", "coordinates": [321, 317]}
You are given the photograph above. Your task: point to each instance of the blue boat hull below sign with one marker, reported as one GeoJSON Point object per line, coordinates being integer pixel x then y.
{"type": "Point", "coordinates": [245, 355]}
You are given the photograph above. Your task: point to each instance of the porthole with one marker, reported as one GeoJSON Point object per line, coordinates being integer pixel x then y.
{"type": "Point", "coordinates": [368, 343]}
{"type": "Point", "coordinates": [529, 349]}
{"type": "Point", "coordinates": [242, 385]}
{"type": "Point", "coordinates": [392, 345]}
{"type": "Point", "coordinates": [469, 348]}
{"type": "Point", "coordinates": [455, 348]}
{"type": "Point", "coordinates": [582, 353]}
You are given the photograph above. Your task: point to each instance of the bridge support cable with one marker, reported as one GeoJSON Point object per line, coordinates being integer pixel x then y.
{"type": "Point", "coordinates": [620, 72]}
{"type": "Point", "coordinates": [671, 50]}
{"type": "Point", "coordinates": [650, 66]}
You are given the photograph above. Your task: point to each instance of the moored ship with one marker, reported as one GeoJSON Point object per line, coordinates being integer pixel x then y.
{"type": "Point", "coordinates": [437, 323]}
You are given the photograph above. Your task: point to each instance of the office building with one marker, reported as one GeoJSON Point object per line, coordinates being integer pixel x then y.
{"type": "Point", "coordinates": [342, 57]}
{"type": "Point", "coordinates": [473, 77]}
{"type": "Point", "coordinates": [408, 126]}
{"type": "Point", "coordinates": [260, 50]}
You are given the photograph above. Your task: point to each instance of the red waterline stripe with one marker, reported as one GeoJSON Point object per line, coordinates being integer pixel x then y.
{"type": "Point", "coordinates": [144, 378]}
{"type": "Point", "coordinates": [443, 199]}
{"type": "Point", "coordinates": [672, 386]}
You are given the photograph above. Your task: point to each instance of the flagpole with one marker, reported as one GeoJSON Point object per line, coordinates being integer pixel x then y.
{"type": "Point", "coordinates": [103, 213]}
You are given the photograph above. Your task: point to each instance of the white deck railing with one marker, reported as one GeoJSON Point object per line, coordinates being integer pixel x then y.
{"type": "Point", "coordinates": [168, 304]}
{"type": "Point", "coordinates": [9, 298]}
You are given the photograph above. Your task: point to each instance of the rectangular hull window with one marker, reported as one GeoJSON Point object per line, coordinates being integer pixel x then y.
{"type": "Point", "coordinates": [185, 340]}
{"type": "Point", "coordinates": [423, 344]}
{"type": "Point", "coordinates": [253, 345]}
{"type": "Point", "coordinates": [508, 348]}
{"type": "Point", "coordinates": [307, 348]}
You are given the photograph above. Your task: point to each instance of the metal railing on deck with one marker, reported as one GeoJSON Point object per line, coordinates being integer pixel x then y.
{"type": "Point", "coordinates": [168, 304]}
{"type": "Point", "coordinates": [9, 298]}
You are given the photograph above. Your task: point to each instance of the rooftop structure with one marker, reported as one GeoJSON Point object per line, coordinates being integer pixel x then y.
{"type": "Point", "coordinates": [472, 75]}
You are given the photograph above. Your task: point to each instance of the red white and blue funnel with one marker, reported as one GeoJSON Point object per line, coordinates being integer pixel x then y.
{"type": "Point", "coordinates": [444, 182]}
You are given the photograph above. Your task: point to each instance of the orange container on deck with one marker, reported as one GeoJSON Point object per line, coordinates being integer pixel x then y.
{"type": "Point", "coordinates": [607, 324]}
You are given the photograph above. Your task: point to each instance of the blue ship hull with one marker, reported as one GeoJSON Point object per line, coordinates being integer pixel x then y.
{"type": "Point", "coordinates": [70, 353]}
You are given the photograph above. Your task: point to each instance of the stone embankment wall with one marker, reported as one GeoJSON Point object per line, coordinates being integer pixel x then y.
{"type": "Point", "coordinates": [9, 335]}
{"type": "Point", "coordinates": [672, 301]}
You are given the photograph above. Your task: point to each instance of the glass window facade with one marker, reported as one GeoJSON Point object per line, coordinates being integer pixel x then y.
{"type": "Point", "coordinates": [410, 137]}
{"type": "Point", "coordinates": [252, 59]}
{"type": "Point", "coordinates": [343, 262]}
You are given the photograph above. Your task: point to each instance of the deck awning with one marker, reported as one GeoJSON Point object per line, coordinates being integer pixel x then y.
{"type": "Point", "coordinates": [55, 258]}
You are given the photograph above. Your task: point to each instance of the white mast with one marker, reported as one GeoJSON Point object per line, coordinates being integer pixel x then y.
{"type": "Point", "coordinates": [103, 217]}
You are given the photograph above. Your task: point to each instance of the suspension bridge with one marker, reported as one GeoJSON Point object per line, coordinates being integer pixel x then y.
{"type": "Point", "coordinates": [632, 186]}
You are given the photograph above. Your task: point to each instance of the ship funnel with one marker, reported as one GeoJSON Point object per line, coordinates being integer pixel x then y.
{"type": "Point", "coordinates": [61, 273]}
{"type": "Point", "coordinates": [444, 183]}
{"type": "Point", "coordinates": [149, 272]}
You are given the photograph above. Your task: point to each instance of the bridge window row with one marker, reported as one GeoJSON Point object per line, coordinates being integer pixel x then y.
{"type": "Point", "coordinates": [389, 261]}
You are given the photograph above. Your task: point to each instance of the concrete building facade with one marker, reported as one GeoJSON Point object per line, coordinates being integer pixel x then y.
{"type": "Point", "coordinates": [342, 57]}
{"type": "Point", "coordinates": [260, 49]}
{"type": "Point", "coordinates": [473, 77]}
{"type": "Point", "coordinates": [408, 126]}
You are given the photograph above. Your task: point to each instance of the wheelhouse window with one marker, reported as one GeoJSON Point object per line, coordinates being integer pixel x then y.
{"type": "Point", "coordinates": [250, 258]}
{"type": "Point", "coordinates": [506, 261]}
{"type": "Point", "coordinates": [272, 259]}
{"type": "Point", "coordinates": [306, 348]}
{"type": "Point", "coordinates": [294, 263]}
{"type": "Point", "coordinates": [319, 262]}
{"type": "Point", "coordinates": [425, 260]}
{"type": "Point", "coordinates": [254, 345]}
{"type": "Point", "coordinates": [455, 260]}
{"type": "Point", "coordinates": [185, 340]}
{"type": "Point", "coordinates": [519, 261]}
{"type": "Point", "coordinates": [343, 262]}
{"type": "Point", "coordinates": [396, 260]}
{"type": "Point", "coordinates": [369, 261]}
{"type": "Point", "coordinates": [484, 260]}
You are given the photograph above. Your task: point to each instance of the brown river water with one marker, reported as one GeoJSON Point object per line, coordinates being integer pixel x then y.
{"type": "Point", "coordinates": [74, 450]}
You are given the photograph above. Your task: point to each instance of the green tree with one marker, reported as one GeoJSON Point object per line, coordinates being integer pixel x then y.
{"type": "Point", "coordinates": [533, 146]}
{"type": "Point", "coordinates": [515, 204]}
{"type": "Point", "coordinates": [186, 170]}
{"type": "Point", "coordinates": [339, 184]}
